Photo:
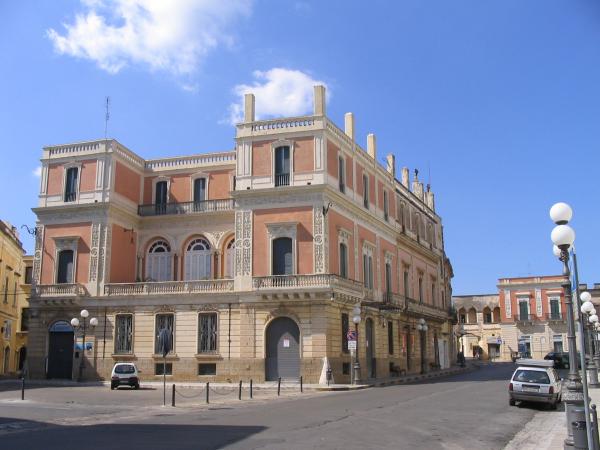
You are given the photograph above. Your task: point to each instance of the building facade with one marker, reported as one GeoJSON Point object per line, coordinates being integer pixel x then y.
{"type": "Point", "coordinates": [479, 326]}
{"type": "Point", "coordinates": [528, 318]}
{"type": "Point", "coordinates": [15, 275]}
{"type": "Point", "coordinates": [253, 258]}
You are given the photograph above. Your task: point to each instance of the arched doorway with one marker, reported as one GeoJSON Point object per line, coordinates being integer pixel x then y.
{"type": "Point", "coordinates": [282, 350]}
{"type": "Point", "coordinates": [60, 350]}
{"type": "Point", "coordinates": [370, 348]}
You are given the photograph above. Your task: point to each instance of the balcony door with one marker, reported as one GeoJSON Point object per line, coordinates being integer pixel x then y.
{"type": "Point", "coordinates": [199, 193]}
{"type": "Point", "coordinates": [282, 166]}
{"type": "Point", "coordinates": [197, 260]}
{"type": "Point", "coordinates": [158, 262]}
{"type": "Point", "coordinates": [160, 197]}
{"type": "Point", "coordinates": [282, 257]}
{"type": "Point", "coordinates": [555, 308]}
{"type": "Point", "coordinates": [524, 310]}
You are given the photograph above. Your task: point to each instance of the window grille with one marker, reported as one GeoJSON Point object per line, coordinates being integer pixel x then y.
{"type": "Point", "coordinates": [124, 333]}
{"type": "Point", "coordinates": [207, 333]}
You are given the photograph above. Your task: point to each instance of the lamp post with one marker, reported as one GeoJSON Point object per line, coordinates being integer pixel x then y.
{"type": "Point", "coordinates": [75, 323]}
{"type": "Point", "coordinates": [422, 327]}
{"type": "Point", "coordinates": [590, 319]}
{"type": "Point", "coordinates": [563, 238]}
{"type": "Point", "coordinates": [356, 319]}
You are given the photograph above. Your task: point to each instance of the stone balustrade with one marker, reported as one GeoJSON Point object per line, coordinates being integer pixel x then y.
{"type": "Point", "coordinates": [168, 287]}
{"type": "Point", "coordinates": [58, 290]}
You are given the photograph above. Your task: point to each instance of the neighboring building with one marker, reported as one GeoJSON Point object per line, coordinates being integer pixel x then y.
{"type": "Point", "coordinates": [254, 258]}
{"type": "Point", "coordinates": [479, 325]}
{"type": "Point", "coordinates": [531, 315]}
{"type": "Point", "coordinates": [14, 300]}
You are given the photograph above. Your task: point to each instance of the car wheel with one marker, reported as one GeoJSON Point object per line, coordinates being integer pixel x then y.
{"type": "Point", "coordinates": [553, 405]}
{"type": "Point", "coordinates": [137, 386]}
{"type": "Point", "coordinates": [511, 402]}
{"type": "Point", "coordinates": [112, 387]}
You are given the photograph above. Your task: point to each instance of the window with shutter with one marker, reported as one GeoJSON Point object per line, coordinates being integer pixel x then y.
{"type": "Point", "coordinates": [71, 184]}
{"type": "Point", "coordinates": [282, 257]}
{"type": "Point", "coordinates": [164, 321]}
{"type": "Point", "coordinates": [65, 267]}
{"type": "Point", "coordinates": [198, 260]}
{"type": "Point", "coordinates": [158, 262]}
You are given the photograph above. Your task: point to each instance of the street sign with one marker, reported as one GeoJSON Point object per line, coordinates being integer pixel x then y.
{"type": "Point", "coordinates": [351, 345]}
{"type": "Point", "coordinates": [499, 341]}
{"type": "Point", "coordinates": [351, 335]}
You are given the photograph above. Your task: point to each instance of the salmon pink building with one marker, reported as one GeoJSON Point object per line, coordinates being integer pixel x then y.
{"type": "Point", "coordinates": [252, 258]}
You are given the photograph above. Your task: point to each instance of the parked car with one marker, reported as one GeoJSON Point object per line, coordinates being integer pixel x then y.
{"type": "Point", "coordinates": [124, 374]}
{"type": "Point", "coordinates": [561, 359]}
{"type": "Point", "coordinates": [535, 380]}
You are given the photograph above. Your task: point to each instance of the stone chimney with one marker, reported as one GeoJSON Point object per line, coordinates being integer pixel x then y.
{"type": "Point", "coordinates": [349, 125]}
{"type": "Point", "coordinates": [319, 100]}
{"type": "Point", "coordinates": [391, 164]}
{"type": "Point", "coordinates": [405, 177]}
{"type": "Point", "coordinates": [249, 108]}
{"type": "Point", "coordinates": [372, 146]}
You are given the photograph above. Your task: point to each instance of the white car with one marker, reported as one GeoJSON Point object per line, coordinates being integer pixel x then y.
{"type": "Point", "coordinates": [124, 374]}
{"type": "Point", "coordinates": [535, 380]}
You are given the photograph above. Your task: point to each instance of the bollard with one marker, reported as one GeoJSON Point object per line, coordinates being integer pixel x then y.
{"type": "Point", "coordinates": [301, 387]}
{"type": "Point", "coordinates": [278, 386]}
{"type": "Point", "coordinates": [173, 396]}
{"type": "Point", "coordinates": [207, 389]}
{"type": "Point", "coordinates": [250, 387]}
{"type": "Point", "coordinates": [240, 391]}
{"type": "Point", "coordinates": [23, 388]}
{"type": "Point", "coordinates": [595, 427]}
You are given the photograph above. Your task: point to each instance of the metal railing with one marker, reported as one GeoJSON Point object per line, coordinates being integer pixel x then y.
{"type": "Point", "coordinates": [168, 287]}
{"type": "Point", "coordinates": [524, 317]}
{"type": "Point", "coordinates": [159, 209]}
{"type": "Point", "coordinates": [282, 179]}
{"type": "Point", "coordinates": [58, 290]}
{"type": "Point", "coordinates": [70, 196]}
{"type": "Point", "coordinates": [555, 316]}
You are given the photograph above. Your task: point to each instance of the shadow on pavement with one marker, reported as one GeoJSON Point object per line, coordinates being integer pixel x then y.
{"type": "Point", "coordinates": [121, 436]}
{"type": "Point", "coordinates": [485, 372]}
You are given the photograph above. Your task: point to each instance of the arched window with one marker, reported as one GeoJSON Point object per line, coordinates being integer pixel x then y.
{"type": "Point", "coordinates": [282, 258]}
{"type": "Point", "coordinates": [496, 314]}
{"type": "Point", "coordinates": [158, 262]}
{"type": "Point", "coordinates": [197, 260]}
{"type": "Point", "coordinates": [462, 315]}
{"type": "Point", "coordinates": [230, 259]}
{"type": "Point", "coordinates": [487, 315]}
{"type": "Point", "coordinates": [472, 316]}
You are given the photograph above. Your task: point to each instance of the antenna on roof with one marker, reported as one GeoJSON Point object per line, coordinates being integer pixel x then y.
{"type": "Point", "coordinates": [106, 116]}
{"type": "Point", "coordinates": [428, 175]}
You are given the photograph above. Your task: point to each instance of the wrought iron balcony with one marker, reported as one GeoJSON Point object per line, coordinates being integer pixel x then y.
{"type": "Point", "coordinates": [168, 287]}
{"type": "Point", "coordinates": [282, 179]}
{"type": "Point", "coordinates": [161, 209]}
{"type": "Point", "coordinates": [554, 317]}
{"type": "Point", "coordinates": [524, 318]}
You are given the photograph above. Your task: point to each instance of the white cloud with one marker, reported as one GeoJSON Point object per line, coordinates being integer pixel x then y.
{"type": "Point", "coordinates": [37, 172]}
{"type": "Point", "coordinates": [278, 92]}
{"type": "Point", "coordinates": [172, 36]}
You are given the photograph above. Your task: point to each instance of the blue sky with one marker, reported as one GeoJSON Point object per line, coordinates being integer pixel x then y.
{"type": "Point", "coordinates": [499, 101]}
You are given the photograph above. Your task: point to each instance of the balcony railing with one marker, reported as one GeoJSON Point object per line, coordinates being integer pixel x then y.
{"type": "Point", "coordinates": [524, 317]}
{"type": "Point", "coordinates": [70, 196]}
{"type": "Point", "coordinates": [282, 179]}
{"type": "Point", "coordinates": [160, 209]}
{"type": "Point", "coordinates": [168, 287]}
{"type": "Point", "coordinates": [292, 281]}
{"type": "Point", "coordinates": [58, 290]}
{"type": "Point", "coordinates": [554, 316]}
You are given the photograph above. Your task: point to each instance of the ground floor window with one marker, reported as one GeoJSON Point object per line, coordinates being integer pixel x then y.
{"type": "Point", "coordinates": [207, 332]}
{"type": "Point", "coordinates": [163, 369]}
{"type": "Point", "coordinates": [207, 369]}
{"type": "Point", "coordinates": [558, 343]}
{"type": "Point", "coordinates": [124, 333]}
{"type": "Point", "coordinates": [525, 346]}
{"type": "Point", "coordinates": [163, 321]}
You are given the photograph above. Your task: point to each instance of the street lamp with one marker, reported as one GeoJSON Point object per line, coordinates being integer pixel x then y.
{"type": "Point", "coordinates": [589, 317]}
{"type": "Point", "coordinates": [356, 319]}
{"type": "Point", "coordinates": [422, 327]}
{"type": "Point", "coordinates": [563, 238]}
{"type": "Point", "coordinates": [75, 323]}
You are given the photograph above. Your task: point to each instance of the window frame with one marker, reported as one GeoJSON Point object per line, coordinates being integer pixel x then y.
{"type": "Point", "coordinates": [193, 179]}
{"type": "Point", "coordinates": [132, 331]}
{"type": "Point", "coordinates": [390, 327]}
{"type": "Point", "coordinates": [157, 180]}
{"type": "Point", "coordinates": [386, 206]}
{"type": "Point", "coordinates": [283, 230]}
{"type": "Point", "coordinates": [155, 346]}
{"type": "Point", "coordinates": [343, 261]}
{"type": "Point", "coordinates": [345, 323]}
{"type": "Point", "coordinates": [65, 243]}
{"type": "Point", "coordinates": [214, 351]}
{"type": "Point", "coordinates": [274, 146]}
{"type": "Point", "coordinates": [342, 173]}
{"type": "Point", "coordinates": [366, 199]}
{"type": "Point", "coordinates": [66, 167]}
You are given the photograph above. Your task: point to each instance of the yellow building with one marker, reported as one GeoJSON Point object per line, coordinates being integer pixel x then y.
{"type": "Point", "coordinates": [15, 275]}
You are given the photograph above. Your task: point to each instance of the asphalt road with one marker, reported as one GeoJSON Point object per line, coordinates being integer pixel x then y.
{"type": "Point", "coordinates": [467, 411]}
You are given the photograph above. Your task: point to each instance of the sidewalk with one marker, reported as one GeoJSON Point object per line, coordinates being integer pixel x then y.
{"type": "Point", "coordinates": [547, 430]}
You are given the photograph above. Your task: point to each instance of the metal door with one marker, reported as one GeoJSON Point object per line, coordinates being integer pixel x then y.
{"type": "Point", "coordinates": [282, 350]}
{"type": "Point", "coordinates": [370, 348]}
{"type": "Point", "coordinates": [60, 351]}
